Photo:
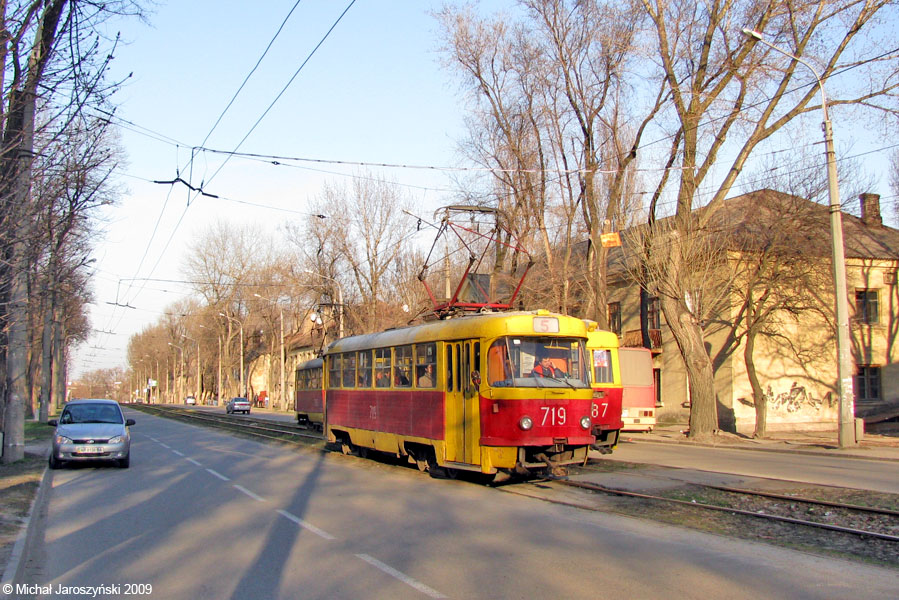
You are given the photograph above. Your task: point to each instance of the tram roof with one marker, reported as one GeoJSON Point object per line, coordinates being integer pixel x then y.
{"type": "Point", "coordinates": [465, 327]}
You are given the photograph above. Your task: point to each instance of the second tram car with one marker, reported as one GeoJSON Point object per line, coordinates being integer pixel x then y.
{"type": "Point", "coordinates": [502, 392]}
{"type": "Point", "coordinates": [605, 377]}
{"type": "Point", "coordinates": [638, 389]}
{"type": "Point", "coordinates": [309, 396]}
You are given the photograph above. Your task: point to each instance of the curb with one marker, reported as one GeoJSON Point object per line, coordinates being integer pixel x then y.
{"type": "Point", "coordinates": [25, 539]}
{"type": "Point", "coordinates": [794, 450]}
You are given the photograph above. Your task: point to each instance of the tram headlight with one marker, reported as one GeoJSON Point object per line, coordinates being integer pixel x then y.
{"type": "Point", "coordinates": [526, 422]}
{"type": "Point", "coordinates": [585, 423]}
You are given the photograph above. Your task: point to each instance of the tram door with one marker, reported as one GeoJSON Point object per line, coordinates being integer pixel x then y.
{"type": "Point", "coordinates": [463, 414]}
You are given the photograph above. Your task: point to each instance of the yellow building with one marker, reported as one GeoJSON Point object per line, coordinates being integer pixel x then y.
{"type": "Point", "coordinates": [773, 257]}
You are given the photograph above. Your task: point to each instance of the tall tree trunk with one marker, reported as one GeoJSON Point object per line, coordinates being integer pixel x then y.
{"type": "Point", "coordinates": [47, 359]}
{"type": "Point", "coordinates": [759, 399]}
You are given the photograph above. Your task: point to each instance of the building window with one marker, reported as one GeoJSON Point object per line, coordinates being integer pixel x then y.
{"type": "Point", "coordinates": [657, 381]}
{"type": "Point", "coordinates": [654, 313]}
{"type": "Point", "coordinates": [615, 317]}
{"type": "Point", "coordinates": [867, 384]}
{"type": "Point", "coordinates": [866, 306]}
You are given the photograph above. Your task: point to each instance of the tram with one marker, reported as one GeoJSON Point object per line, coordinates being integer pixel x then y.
{"type": "Point", "coordinates": [467, 393]}
{"type": "Point", "coordinates": [605, 378]}
{"type": "Point", "coordinates": [309, 395]}
{"type": "Point", "coordinates": [638, 400]}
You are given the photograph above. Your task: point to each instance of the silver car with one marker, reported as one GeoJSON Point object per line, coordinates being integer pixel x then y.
{"type": "Point", "coordinates": [236, 405]}
{"type": "Point", "coordinates": [91, 430]}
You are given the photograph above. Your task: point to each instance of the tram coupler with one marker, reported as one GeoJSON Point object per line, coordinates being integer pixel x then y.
{"type": "Point", "coordinates": [554, 470]}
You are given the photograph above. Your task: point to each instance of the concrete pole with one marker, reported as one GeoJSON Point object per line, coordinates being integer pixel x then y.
{"type": "Point", "coordinates": [845, 366]}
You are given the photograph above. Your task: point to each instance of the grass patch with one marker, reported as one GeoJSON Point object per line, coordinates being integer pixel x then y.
{"type": "Point", "coordinates": [35, 432]}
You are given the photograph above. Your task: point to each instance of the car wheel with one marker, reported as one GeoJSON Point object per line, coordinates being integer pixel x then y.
{"type": "Point", "coordinates": [124, 463]}
{"type": "Point", "coordinates": [55, 463]}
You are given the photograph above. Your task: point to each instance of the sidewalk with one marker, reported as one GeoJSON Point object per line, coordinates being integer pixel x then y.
{"type": "Point", "coordinates": [872, 445]}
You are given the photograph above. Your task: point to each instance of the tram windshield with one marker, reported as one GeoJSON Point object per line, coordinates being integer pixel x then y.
{"type": "Point", "coordinates": [537, 362]}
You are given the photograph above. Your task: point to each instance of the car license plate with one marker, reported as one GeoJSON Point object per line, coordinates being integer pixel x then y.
{"type": "Point", "coordinates": [89, 449]}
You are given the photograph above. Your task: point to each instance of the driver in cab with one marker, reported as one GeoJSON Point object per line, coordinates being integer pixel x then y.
{"type": "Point", "coordinates": [545, 368]}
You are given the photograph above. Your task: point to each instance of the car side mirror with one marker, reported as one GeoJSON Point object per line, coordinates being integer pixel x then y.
{"type": "Point", "coordinates": [53, 422]}
{"type": "Point", "coordinates": [129, 422]}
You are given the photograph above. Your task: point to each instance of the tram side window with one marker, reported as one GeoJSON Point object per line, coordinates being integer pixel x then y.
{"type": "Point", "coordinates": [317, 379]}
{"type": "Point", "coordinates": [425, 365]}
{"type": "Point", "coordinates": [334, 363]}
{"type": "Point", "coordinates": [602, 366]}
{"type": "Point", "coordinates": [402, 372]}
{"type": "Point", "coordinates": [382, 367]}
{"type": "Point", "coordinates": [349, 370]}
{"type": "Point", "coordinates": [364, 364]}
{"type": "Point", "coordinates": [449, 367]}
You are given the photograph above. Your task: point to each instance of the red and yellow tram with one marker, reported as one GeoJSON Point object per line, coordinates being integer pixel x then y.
{"type": "Point", "coordinates": [464, 393]}
{"type": "Point", "coordinates": [605, 377]}
{"type": "Point", "coordinates": [309, 395]}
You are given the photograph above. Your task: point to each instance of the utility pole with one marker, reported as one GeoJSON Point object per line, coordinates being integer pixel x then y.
{"type": "Point", "coordinates": [845, 366]}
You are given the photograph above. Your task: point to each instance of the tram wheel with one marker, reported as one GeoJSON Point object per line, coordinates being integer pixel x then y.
{"type": "Point", "coordinates": [346, 448]}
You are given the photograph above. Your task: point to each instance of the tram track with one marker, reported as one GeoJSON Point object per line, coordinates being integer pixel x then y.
{"type": "Point", "coordinates": [876, 528]}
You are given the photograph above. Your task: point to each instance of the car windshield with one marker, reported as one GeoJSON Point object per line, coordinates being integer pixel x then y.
{"type": "Point", "coordinates": [537, 362]}
{"type": "Point", "coordinates": [90, 413]}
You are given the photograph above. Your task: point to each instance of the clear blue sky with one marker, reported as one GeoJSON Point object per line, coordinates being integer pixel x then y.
{"type": "Point", "coordinates": [373, 92]}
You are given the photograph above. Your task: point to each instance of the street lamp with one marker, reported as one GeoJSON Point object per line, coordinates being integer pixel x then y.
{"type": "Point", "coordinates": [199, 388]}
{"type": "Point", "coordinates": [239, 324]}
{"type": "Point", "coordinates": [283, 396]}
{"type": "Point", "coordinates": [339, 300]}
{"type": "Point", "coordinates": [181, 376]}
{"type": "Point", "coordinates": [845, 369]}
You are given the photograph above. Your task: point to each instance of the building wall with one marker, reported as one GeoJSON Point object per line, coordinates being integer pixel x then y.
{"type": "Point", "coordinates": [797, 369]}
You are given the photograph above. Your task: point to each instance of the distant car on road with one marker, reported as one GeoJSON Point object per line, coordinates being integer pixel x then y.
{"type": "Point", "coordinates": [236, 405]}
{"type": "Point", "coordinates": [91, 429]}
{"type": "Point", "coordinates": [190, 400]}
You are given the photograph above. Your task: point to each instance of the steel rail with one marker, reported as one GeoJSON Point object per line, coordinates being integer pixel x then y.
{"type": "Point", "coordinates": [734, 490]}
{"type": "Point", "coordinates": [850, 530]}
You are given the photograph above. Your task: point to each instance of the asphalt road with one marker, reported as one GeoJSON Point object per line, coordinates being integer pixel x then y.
{"type": "Point", "coordinates": [201, 514]}
{"type": "Point", "coordinates": [859, 473]}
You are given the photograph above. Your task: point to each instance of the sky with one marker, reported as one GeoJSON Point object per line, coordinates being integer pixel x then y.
{"type": "Point", "coordinates": [374, 91]}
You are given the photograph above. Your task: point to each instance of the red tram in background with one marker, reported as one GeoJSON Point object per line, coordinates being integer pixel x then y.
{"type": "Point", "coordinates": [464, 393]}
{"type": "Point", "coordinates": [309, 395]}
{"type": "Point", "coordinates": [639, 389]}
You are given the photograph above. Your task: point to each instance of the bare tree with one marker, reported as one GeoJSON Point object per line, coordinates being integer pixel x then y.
{"type": "Point", "coordinates": [51, 63]}
{"type": "Point", "coordinates": [729, 89]}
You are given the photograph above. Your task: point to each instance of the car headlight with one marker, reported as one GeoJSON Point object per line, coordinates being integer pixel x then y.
{"type": "Point", "coordinates": [117, 439]}
{"type": "Point", "coordinates": [585, 423]}
{"type": "Point", "coordinates": [526, 422]}
{"type": "Point", "coordinates": [61, 439]}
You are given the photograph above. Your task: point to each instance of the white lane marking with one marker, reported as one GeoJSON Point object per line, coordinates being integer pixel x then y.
{"type": "Point", "coordinates": [199, 464]}
{"type": "Point", "coordinates": [401, 576]}
{"type": "Point", "coordinates": [178, 453]}
{"type": "Point", "coordinates": [306, 525]}
{"type": "Point", "coordinates": [249, 493]}
{"type": "Point", "coordinates": [219, 475]}
{"type": "Point", "coordinates": [154, 439]}
{"type": "Point", "coordinates": [165, 445]}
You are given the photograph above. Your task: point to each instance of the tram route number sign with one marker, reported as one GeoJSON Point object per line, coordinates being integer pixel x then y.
{"type": "Point", "coordinates": [546, 325]}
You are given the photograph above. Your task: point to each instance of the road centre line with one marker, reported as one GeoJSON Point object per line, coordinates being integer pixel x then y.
{"type": "Point", "coordinates": [306, 525]}
{"type": "Point", "coordinates": [198, 463]}
{"type": "Point", "coordinates": [165, 445]}
{"type": "Point", "coordinates": [176, 452]}
{"type": "Point", "coordinates": [249, 493]}
{"type": "Point", "coordinates": [219, 475]}
{"type": "Point", "coordinates": [401, 576]}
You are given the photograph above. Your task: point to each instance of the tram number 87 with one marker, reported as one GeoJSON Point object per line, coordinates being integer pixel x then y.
{"type": "Point", "coordinates": [596, 413]}
{"type": "Point", "coordinates": [554, 415]}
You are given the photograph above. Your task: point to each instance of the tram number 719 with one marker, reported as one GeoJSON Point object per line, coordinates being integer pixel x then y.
{"type": "Point", "coordinates": [554, 415]}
